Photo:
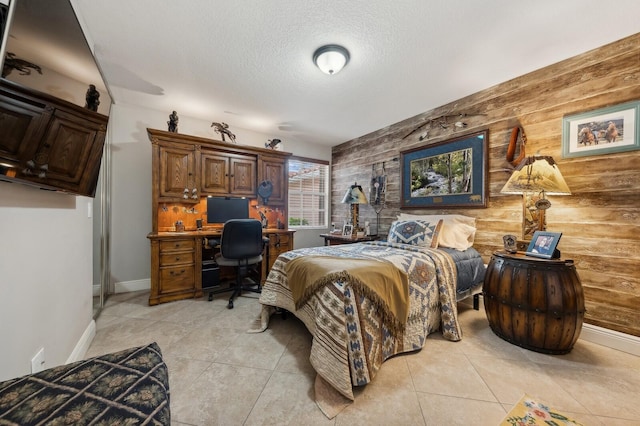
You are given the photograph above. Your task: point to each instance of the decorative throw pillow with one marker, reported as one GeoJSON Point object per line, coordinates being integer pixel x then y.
{"type": "Point", "coordinates": [415, 232]}
{"type": "Point", "coordinates": [458, 231]}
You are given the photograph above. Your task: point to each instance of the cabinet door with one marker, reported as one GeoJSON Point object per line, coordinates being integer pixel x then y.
{"type": "Point", "coordinates": [275, 170]}
{"type": "Point", "coordinates": [228, 174]}
{"type": "Point", "coordinates": [69, 155]}
{"type": "Point", "coordinates": [177, 175]}
{"type": "Point", "coordinates": [214, 177]}
{"type": "Point", "coordinates": [21, 123]}
{"type": "Point", "coordinates": [243, 176]}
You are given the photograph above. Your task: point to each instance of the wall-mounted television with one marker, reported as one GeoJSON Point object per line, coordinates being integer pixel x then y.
{"type": "Point", "coordinates": [222, 209]}
{"type": "Point", "coordinates": [51, 136]}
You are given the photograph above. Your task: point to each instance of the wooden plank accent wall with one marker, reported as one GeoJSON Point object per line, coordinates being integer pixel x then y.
{"type": "Point", "coordinates": [600, 221]}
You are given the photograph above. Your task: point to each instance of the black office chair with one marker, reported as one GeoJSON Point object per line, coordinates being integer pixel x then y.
{"type": "Point", "coordinates": [241, 246]}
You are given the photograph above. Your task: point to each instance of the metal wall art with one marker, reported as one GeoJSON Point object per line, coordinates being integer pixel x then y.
{"type": "Point", "coordinates": [92, 98]}
{"type": "Point", "coordinates": [223, 129]}
{"type": "Point", "coordinates": [275, 144]}
{"type": "Point", "coordinates": [172, 124]}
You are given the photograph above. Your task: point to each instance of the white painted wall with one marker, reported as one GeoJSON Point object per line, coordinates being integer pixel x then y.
{"type": "Point", "coordinates": [45, 276]}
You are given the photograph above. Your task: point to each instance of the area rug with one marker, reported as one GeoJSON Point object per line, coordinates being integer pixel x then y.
{"type": "Point", "coordinates": [529, 411]}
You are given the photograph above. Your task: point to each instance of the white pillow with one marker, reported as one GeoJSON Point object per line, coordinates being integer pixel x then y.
{"type": "Point", "coordinates": [457, 232]}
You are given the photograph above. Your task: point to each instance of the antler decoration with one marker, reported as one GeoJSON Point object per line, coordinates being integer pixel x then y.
{"type": "Point", "coordinates": [442, 122]}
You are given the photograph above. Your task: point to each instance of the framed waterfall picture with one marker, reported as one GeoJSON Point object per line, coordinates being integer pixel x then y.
{"type": "Point", "coordinates": [603, 131]}
{"type": "Point", "coordinates": [447, 174]}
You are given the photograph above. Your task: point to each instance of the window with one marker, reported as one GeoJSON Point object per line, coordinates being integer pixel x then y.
{"type": "Point", "coordinates": [308, 193]}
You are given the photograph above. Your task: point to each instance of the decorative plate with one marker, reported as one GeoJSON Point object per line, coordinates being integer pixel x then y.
{"type": "Point", "coordinates": [265, 189]}
{"type": "Point", "coordinates": [510, 243]}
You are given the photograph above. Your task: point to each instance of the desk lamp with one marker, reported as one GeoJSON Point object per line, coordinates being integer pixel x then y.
{"type": "Point", "coordinates": [534, 178]}
{"type": "Point", "coordinates": [354, 196]}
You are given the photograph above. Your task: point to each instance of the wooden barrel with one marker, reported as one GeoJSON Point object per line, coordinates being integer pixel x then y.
{"type": "Point", "coordinates": [534, 303]}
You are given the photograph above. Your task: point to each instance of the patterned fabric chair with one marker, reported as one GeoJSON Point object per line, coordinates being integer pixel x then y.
{"type": "Point", "coordinates": [126, 387]}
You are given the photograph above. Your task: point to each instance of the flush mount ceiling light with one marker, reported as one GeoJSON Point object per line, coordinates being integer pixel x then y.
{"type": "Point", "coordinates": [331, 58]}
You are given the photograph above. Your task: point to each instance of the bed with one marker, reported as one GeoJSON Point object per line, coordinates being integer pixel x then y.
{"type": "Point", "coordinates": [470, 270]}
{"type": "Point", "coordinates": [353, 331]}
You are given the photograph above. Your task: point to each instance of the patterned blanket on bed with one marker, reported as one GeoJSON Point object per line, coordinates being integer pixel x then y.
{"type": "Point", "coordinates": [350, 341]}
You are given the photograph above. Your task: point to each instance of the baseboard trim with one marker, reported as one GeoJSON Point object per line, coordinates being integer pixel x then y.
{"type": "Point", "coordinates": [599, 335]}
{"type": "Point", "coordinates": [135, 285]}
{"type": "Point", "coordinates": [83, 344]}
{"type": "Point", "coordinates": [611, 339]}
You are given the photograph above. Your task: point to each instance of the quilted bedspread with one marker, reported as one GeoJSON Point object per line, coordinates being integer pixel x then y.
{"type": "Point", "coordinates": [350, 342]}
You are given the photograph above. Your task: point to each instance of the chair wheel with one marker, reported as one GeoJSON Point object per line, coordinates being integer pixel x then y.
{"type": "Point", "coordinates": [230, 304]}
{"type": "Point", "coordinates": [210, 297]}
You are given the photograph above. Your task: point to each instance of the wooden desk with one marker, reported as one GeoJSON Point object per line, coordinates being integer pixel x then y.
{"type": "Point", "coordinates": [177, 261]}
{"type": "Point", "coordinates": [336, 239]}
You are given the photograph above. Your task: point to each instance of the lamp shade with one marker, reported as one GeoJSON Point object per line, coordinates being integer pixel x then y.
{"type": "Point", "coordinates": [354, 195]}
{"type": "Point", "coordinates": [537, 174]}
{"type": "Point", "coordinates": [331, 58]}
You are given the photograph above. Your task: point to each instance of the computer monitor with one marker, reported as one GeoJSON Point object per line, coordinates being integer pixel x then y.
{"type": "Point", "coordinates": [222, 209]}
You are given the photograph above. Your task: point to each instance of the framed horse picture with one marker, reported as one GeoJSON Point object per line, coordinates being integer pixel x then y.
{"type": "Point", "coordinates": [603, 131]}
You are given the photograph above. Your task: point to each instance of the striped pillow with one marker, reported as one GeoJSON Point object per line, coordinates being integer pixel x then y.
{"type": "Point", "coordinates": [415, 232]}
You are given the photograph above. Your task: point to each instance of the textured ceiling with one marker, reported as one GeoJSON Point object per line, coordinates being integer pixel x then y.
{"type": "Point", "coordinates": [248, 62]}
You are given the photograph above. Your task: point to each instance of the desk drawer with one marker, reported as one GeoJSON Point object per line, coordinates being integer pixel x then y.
{"type": "Point", "coordinates": [177, 278]}
{"type": "Point", "coordinates": [278, 241]}
{"type": "Point", "coordinates": [175, 244]}
{"type": "Point", "coordinates": [177, 258]}
{"type": "Point", "coordinates": [285, 241]}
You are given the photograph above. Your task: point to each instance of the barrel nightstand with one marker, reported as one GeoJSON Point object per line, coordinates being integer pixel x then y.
{"type": "Point", "coordinates": [534, 303]}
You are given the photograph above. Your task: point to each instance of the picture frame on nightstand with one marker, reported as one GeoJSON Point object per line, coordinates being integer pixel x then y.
{"type": "Point", "coordinates": [543, 244]}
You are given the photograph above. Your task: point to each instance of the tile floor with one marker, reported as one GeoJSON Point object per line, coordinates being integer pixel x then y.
{"type": "Point", "coordinates": [221, 375]}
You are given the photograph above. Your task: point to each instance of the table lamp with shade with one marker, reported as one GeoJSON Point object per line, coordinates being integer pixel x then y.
{"type": "Point", "coordinates": [354, 197]}
{"type": "Point", "coordinates": [534, 178]}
